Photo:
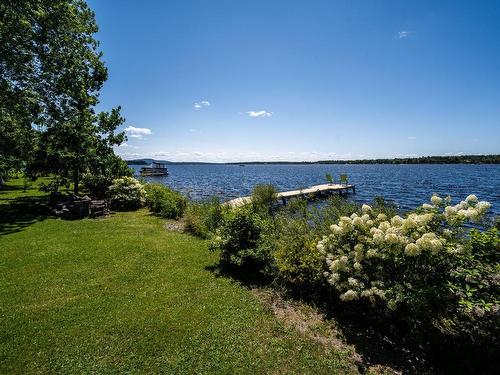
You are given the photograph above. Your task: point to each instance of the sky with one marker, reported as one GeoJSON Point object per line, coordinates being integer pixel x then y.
{"type": "Point", "coordinates": [234, 80]}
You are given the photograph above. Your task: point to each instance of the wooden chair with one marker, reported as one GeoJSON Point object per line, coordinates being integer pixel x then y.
{"type": "Point", "coordinates": [343, 179]}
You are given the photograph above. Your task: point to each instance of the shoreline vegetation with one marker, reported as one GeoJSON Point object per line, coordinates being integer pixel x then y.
{"type": "Point", "coordinates": [461, 159]}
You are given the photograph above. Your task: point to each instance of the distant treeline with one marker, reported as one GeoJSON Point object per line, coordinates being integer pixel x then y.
{"type": "Point", "coordinates": [138, 162]}
{"type": "Point", "coordinates": [463, 159]}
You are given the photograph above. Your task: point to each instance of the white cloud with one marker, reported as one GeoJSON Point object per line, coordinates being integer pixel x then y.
{"type": "Point", "coordinates": [412, 138]}
{"type": "Point", "coordinates": [134, 132]}
{"type": "Point", "coordinates": [199, 105]}
{"type": "Point", "coordinates": [259, 114]}
{"type": "Point", "coordinates": [403, 34]}
{"type": "Point", "coordinates": [126, 145]}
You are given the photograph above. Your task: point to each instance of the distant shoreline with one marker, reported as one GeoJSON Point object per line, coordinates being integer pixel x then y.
{"type": "Point", "coordinates": [464, 159]}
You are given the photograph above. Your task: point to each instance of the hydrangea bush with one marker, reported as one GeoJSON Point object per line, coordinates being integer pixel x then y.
{"type": "Point", "coordinates": [395, 260]}
{"type": "Point", "coordinates": [126, 193]}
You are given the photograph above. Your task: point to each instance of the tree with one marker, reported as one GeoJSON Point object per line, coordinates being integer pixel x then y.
{"type": "Point", "coordinates": [83, 145]}
{"type": "Point", "coordinates": [50, 77]}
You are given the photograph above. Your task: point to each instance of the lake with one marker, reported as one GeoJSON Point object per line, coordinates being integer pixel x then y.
{"type": "Point", "coordinates": [407, 185]}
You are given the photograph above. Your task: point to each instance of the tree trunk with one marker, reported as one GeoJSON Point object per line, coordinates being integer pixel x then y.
{"type": "Point", "coordinates": [76, 181]}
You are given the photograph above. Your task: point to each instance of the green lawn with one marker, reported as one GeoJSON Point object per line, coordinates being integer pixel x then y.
{"type": "Point", "coordinates": [124, 295]}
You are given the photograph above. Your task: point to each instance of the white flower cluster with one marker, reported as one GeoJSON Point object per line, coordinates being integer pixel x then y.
{"type": "Point", "coordinates": [359, 243]}
{"type": "Point", "coordinates": [469, 209]}
{"type": "Point", "coordinates": [127, 189]}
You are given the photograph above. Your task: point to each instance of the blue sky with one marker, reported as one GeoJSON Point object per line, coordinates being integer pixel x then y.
{"type": "Point", "coordinates": [302, 80]}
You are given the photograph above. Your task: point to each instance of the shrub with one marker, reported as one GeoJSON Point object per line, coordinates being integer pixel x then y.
{"type": "Point", "coordinates": [202, 219]}
{"type": "Point", "coordinates": [475, 282]}
{"type": "Point", "coordinates": [238, 239]}
{"type": "Point", "coordinates": [264, 198]}
{"type": "Point", "coordinates": [403, 262]}
{"type": "Point", "coordinates": [126, 193]}
{"type": "Point", "coordinates": [97, 185]}
{"type": "Point", "coordinates": [298, 262]}
{"type": "Point", "coordinates": [165, 202]}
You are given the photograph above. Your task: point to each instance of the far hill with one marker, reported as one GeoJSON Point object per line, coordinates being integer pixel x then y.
{"type": "Point", "coordinates": [461, 159]}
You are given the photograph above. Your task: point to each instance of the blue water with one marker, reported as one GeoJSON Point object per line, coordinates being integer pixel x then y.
{"type": "Point", "coordinates": [406, 185]}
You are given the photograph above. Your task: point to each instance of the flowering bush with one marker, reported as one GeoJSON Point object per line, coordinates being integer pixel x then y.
{"type": "Point", "coordinates": [126, 193]}
{"type": "Point", "coordinates": [396, 260]}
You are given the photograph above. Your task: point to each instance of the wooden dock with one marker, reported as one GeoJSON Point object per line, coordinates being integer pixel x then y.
{"type": "Point", "coordinates": [305, 193]}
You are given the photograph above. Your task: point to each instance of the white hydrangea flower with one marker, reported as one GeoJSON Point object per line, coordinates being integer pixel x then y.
{"type": "Point", "coordinates": [384, 225]}
{"type": "Point", "coordinates": [397, 220]}
{"type": "Point", "coordinates": [357, 222]}
{"type": "Point", "coordinates": [483, 206]}
{"type": "Point", "coordinates": [365, 218]}
{"type": "Point", "coordinates": [365, 208]}
{"type": "Point", "coordinates": [357, 266]}
{"type": "Point", "coordinates": [412, 250]}
{"type": "Point", "coordinates": [334, 278]}
{"type": "Point", "coordinates": [436, 200]}
{"type": "Point", "coordinates": [381, 217]}
{"type": "Point", "coordinates": [349, 295]}
{"type": "Point", "coordinates": [427, 206]}
{"type": "Point", "coordinates": [352, 281]}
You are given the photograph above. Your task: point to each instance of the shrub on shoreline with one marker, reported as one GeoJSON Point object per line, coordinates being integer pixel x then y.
{"type": "Point", "coordinates": [239, 237]}
{"type": "Point", "coordinates": [264, 198]}
{"type": "Point", "coordinates": [126, 193]}
{"type": "Point", "coordinates": [164, 201]}
{"type": "Point", "coordinates": [202, 219]}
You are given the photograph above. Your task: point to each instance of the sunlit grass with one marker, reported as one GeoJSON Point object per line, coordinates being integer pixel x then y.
{"type": "Point", "coordinates": [122, 294]}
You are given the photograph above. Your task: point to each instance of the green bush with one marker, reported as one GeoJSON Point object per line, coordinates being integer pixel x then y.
{"type": "Point", "coordinates": [238, 239]}
{"type": "Point", "coordinates": [264, 199]}
{"type": "Point", "coordinates": [126, 193]}
{"type": "Point", "coordinates": [164, 201]}
{"type": "Point", "coordinates": [475, 283]}
{"type": "Point", "coordinates": [96, 185]}
{"type": "Point", "coordinates": [202, 219]}
{"type": "Point", "coordinates": [298, 262]}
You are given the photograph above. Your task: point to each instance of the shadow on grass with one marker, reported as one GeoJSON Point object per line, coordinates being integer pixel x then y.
{"type": "Point", "coordinates": [378, 343]}
{"type": "Point", "coordinates": [248, 279]}
{"type": "Point", "coordinates": [20, 213]}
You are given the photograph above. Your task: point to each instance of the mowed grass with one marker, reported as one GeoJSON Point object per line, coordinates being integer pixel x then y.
{"type": "Point", "coordinates": [124, 295]}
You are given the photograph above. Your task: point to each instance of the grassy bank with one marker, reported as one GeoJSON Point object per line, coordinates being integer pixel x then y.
{"type": "Point", "coordinates": [122, 294]}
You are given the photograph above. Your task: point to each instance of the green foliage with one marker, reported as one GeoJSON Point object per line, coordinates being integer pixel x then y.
{"type": "Point", "coordinates": [264, 198]}
{"type": "Point", "coordinates": [54, 185]}
{"type": "Point", "coordinates": [202, 219]}
{"type": "Point", "coordinates": [126, 193]}
{"type": "Point", "coordinates": [164, 202]}
{"type": "Point", "coordinates": [98, 182]}
{"type": "Point", "coordinates": [475, 283]}
{"type": "Point", "coordinates": [238, 239]}
{"type": "Point", "coordinates": [52, 73]}
{"type": "Point", "coordinates": [299, 264]}
{"type": "Point", "coordinates": [329, 178]}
